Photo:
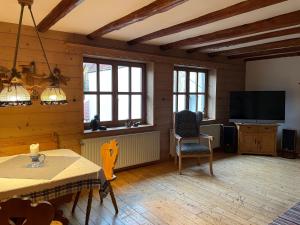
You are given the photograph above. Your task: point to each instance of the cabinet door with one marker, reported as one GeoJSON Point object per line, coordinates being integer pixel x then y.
{"type": "Point", "coordinates": [267, 143]}
{"type": "Point", "coordinates": [248, 143]}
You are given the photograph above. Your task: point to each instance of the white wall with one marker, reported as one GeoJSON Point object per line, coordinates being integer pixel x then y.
{"type": "Point", "coordinates": [276, 75]}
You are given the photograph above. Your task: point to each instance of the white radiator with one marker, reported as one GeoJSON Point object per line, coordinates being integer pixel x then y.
{"type": "Point", "coordinates": [212, 129]}
{"type": "Point", "coordinates": [134, 149]}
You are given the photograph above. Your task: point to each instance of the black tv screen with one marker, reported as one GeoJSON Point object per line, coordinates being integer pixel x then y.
{"type": "Point", "coordinates": [257, 105]}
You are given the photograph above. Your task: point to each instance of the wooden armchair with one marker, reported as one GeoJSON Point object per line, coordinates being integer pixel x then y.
{"type": "Point", "coordinates": [18, 211]}
{"type": "Point", "coordinates": [186, 128]}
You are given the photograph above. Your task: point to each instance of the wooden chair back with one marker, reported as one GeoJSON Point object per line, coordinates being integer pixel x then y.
{"type": "Point", "coordinates": [19, 211]}
{"type": "Point", "coordinates": [109, 154]}
{"type": "Point", "coordinates": [20, 145]}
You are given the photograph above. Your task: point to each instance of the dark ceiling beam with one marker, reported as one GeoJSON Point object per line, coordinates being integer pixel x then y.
{"type": "Point", "coordinates": [156, 7]}
{"type": "Point", "coordinates": [261, 47]}
{"type": "Point", "coordinates": [233, 10]}
{"type": "Point", "coordinates": [258, 37]}
{"type": "Point", "coordinates": [266, 52]}
{"type": "Point", "coordinates": [277, 22]}
{"type": "Point", "coordinates": [273, 56]}
{"type": "Point", "coordinates": [57, 13]}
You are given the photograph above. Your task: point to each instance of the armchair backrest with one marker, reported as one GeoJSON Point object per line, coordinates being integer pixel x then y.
{"type": "Point", "coordinates": [186, 123]}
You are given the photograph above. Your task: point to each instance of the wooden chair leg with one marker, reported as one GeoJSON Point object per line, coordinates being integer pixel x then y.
{"type": "Point", "coordinates": [101, 198]}
{"type": "Point", "coordinates": [211, 165]}
{"type": "Point", "coordinates": [113, 199]}
{"type": "Point", "coordinates": [76, 201]}
{"type": "Point", "coordinates": [88, 208]}
{"type": "Point", "coordinates": [180, 164]}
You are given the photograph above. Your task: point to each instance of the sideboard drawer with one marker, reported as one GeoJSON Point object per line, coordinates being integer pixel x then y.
{"type": "Point", "coordinates": [249, 129]}
{"type": "Point", "coordinates": [267, 129]}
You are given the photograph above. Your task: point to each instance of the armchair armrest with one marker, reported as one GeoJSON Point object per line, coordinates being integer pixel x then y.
{"type": "Point", "coordinates": [180, 139]}
{"type": "Point", "coordinates": [205, 136]}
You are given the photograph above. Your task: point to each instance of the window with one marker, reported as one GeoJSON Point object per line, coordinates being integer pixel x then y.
{"type": "Point", "coordinates": [190, 89]}
{"type": "Point", "coordinates": [114, 90]}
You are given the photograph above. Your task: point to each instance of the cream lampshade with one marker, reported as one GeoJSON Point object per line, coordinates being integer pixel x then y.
{"type": "Point", "coordinates": [53, 96]}
{"type": "Point", "coordinates": [14, 95]}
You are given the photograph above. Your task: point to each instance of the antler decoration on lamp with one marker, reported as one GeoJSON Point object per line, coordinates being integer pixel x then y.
{"type": "Point", "coordinates": [13, 92]}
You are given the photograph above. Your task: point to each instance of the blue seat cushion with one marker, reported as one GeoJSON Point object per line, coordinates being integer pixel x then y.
{"type": "Point", "coordinates": [193, 148]}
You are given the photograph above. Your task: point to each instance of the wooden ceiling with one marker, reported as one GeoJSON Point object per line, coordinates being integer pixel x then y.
{"type": "Point", "coordinates": [249, 29]}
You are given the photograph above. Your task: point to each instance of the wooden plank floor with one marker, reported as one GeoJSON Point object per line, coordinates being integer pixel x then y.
{"type": "Point", "coordinates": [244, 190]}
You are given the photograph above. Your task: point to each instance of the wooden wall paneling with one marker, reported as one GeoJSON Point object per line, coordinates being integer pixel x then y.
{"type": "Point", "coordinates": [163, 104]}
{"type": "Point", "coordinates": [67, 120]}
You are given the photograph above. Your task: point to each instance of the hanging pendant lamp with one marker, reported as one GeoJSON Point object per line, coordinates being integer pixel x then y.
{"type": "Point", "coordinates": [14, 93]}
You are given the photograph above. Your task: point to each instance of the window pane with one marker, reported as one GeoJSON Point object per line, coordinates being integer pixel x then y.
{"type": "Point", "coordinates": [193, 81]}
{"type": "Point", "coordinates": [174, 103]}
{"type": "Point", "coordinates": [105, 77]}
{"type": "Point", "coordinates": [89, 77]}
{"type": "Point", "coordinates": [123, 78]}
{"type": "Point", "coordinates": [181, 81]}
{"type": "Point", "coordinates": [136, 106]}
{"type": "Point", "coordinates": [105, 108]}
{"type": "Point", "coordinates": [192, 103]}
{"type": "Point", "coordinates": [136, 79]}
{"type": "Point", "coordinates": [201, 103]}
{"type": "Point", "coordinates": [123, 107]}
{"type": "Point", "coordinates": [90, 107]}
{"type": "Point", "coordinates": [201, 82]}
{"type": "Point", "coordinates": [181, 102]}
{"type": "Point", "coordinates": [175, 81]}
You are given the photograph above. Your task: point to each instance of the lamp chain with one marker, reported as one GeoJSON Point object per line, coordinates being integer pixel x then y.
{"type": "Point", "coordinates": [40, 40]}
{"type": "Point", "coordinates": [18, 39]}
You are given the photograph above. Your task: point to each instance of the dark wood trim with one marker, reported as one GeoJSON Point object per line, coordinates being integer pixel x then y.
{"type": "Point", "coordinates": [258, 37]}
{"type": "Point", "coordinates": [233, 10]}
{"type": "Point", "coordinates": [277, 22]}
{"type": "Point", "coordinates": [152, 9]}
{"type": "Point", "coordinates": [57, 13]}
{"type": "Point", "coordinates": [265, 53]}
{"type": "Point", "coordinates": [273, 56]}
{"type": "Point", "coordinates": [115, 63]}
{"type": "Point", "coordinates": [261, 47]}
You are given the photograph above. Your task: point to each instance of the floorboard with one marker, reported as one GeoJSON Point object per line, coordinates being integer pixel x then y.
{"type": "Point", "coordinates": [245, 190]}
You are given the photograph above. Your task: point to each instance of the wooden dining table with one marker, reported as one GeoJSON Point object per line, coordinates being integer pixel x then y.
{"type": "Point", "coordinates": [64, 173]}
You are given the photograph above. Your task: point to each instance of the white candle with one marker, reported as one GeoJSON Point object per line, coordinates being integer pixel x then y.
{"type": "Point", "coordinates": [34, 149]}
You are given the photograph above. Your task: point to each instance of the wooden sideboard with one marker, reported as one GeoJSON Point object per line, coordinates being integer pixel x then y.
{"type": "Point", "coordinates": [257, 139]}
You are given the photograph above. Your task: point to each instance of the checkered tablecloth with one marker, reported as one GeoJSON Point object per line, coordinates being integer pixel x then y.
{"type": "Point", "coordinates": [66, 189]}
{"type": "Point", "coordinates": [80, 175]}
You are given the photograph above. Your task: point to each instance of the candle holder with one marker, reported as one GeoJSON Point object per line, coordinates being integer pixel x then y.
{"type": "Point", "coordinates": [37, 160]}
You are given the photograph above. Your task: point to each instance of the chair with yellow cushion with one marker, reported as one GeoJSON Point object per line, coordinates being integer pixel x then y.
{"type": "Point", "coordinates": [16, 211]}
{"type": "Point", "coordinates": [109, 155]}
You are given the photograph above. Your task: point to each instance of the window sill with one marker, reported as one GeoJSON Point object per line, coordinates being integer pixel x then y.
{"type": "Point", "coordinates": [117, 131]}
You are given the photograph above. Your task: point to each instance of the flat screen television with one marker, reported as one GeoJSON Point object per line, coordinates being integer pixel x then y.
{"type": "Point", "coordinates": [257, 106]}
